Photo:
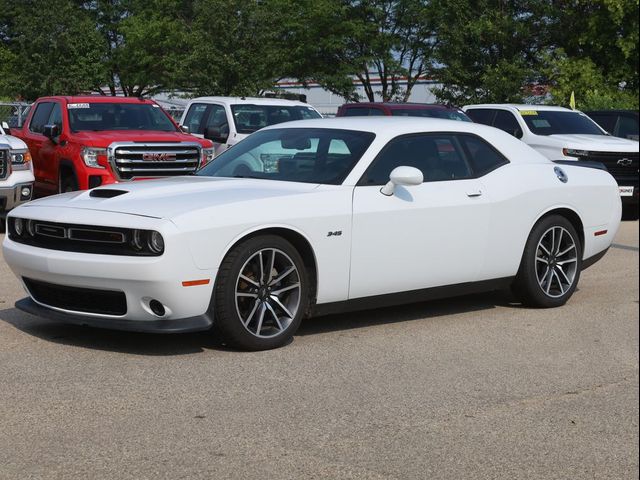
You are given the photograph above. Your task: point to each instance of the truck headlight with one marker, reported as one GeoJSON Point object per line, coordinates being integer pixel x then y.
{"type": "Point", "coordinates": [570, 152]}
{"type": "Point", "coordinates": [91, 155]}
{"type": "Point", "coordinates": [20, 160]}
{"type": "Point", "coordinates": [207, 155]}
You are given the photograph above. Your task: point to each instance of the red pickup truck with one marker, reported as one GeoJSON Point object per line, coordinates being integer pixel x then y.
{"type": "Point", "coordinates": [84, 142]}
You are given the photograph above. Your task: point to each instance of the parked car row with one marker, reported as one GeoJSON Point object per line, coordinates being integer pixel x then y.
{"type": "Point", "coordinates": [86, 141]}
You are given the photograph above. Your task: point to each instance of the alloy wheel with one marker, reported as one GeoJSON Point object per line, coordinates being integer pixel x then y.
{"type": "Point", "coordinates": [556, 261]}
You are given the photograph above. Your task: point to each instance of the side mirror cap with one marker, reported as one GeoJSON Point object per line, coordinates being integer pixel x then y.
{"type": "Point", "coordinates": [5, 127]}
{"type": "Point", "coordinates": [518, 133]}
{"type": "Point", "coordinates": [51, 132]}
{"type": "Point", "coordinates": [184, 128]}
{"type": "Point", "coordinates": [406, 176]}
{"type": "Point", "coordinates": [215, 134]}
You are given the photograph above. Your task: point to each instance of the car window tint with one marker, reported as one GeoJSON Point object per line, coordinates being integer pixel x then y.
{"type": "Point", "coordinates": [438, 156]}
{"type": "Point", "coordinates": [483, 157]}
{"type": "Point", "coordinates": [363, 112]}
{"type": "Point", "coordinates": [507, 122]}
{"type": "Point", "coordinates": [195, 116]}
{"type": "Point", "coordinates": [40, 117]}
{"type": "Point", "coordinates": [217, 118]}
{"type": "Point", "coordinates": [627, 127]}
{"type": "Point", "coordinates": [55, 118]}
{"type": "Point", "coordinates": [481, 115]}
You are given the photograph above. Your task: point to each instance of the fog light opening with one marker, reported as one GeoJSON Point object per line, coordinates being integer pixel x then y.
{"type": "Point", "coordinates": [157, 308]}
{"type": "Point", "coordinates": [25, 193]}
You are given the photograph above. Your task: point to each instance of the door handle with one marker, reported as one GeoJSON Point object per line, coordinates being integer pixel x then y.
{"type": "Point", "coordinates": [474, 193]}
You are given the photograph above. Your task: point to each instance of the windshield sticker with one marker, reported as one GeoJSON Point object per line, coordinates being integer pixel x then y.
{"type": "Point", "coordinates": [155, 106]}
{"type": "Point", "coordinates": [541, 123]}
{"type": "Point", "coordinates": [528, 112]}
{"type": "Point", "coordinates": [78, 105]}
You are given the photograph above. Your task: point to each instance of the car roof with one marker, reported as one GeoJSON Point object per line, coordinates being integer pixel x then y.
{"type": "Point", "coordinates": [401, 105]}
{"type": "Point", "coordinates": [249, 101]}
{"type": "Point", "coordinates": [97, 99]}
{"type": "Point", "coordinates": [519, 107]}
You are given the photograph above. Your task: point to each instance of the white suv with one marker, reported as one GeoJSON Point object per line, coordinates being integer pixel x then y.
{"type": "Point", "coordinates": [16, 172]}
{"type": "Point", "coordinates": [562, 134]}
{"type": "Point", "coordinates": [227, 120]}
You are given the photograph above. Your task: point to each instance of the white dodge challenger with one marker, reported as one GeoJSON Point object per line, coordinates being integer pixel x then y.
{"type": "Point", "coordinates": [315, 217]}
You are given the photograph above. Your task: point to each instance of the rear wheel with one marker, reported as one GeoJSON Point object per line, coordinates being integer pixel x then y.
{"type": "Point", "coordinates": [261, 294]}
{"type": "Point", "coordinates": [551, 264]}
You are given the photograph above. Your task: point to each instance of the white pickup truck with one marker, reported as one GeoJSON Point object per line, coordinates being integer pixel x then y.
{"type": "Point", "coordinates": [16, 173]}
{"type": "Point", "coordinates": [227, 120]}
{"type": "Point", "coordinates": [562, 134]}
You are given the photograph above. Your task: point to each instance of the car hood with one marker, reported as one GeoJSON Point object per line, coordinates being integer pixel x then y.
{"type": "Point", "coordinates": [13, 142]}
{"type": "Point", "coordinates": [599, 143]}
{"type": "Point", "coordinates": [168, 198]}
{"type": "Point", "coordinates": [105, 138]}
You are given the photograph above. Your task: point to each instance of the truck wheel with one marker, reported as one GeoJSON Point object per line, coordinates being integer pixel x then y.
{"type": "Point", "coordinates": [68, 183]}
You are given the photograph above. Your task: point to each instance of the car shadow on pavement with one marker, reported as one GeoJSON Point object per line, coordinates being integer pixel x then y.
{"type": "Point", "coordinates": [408, 312]}
{"type": "Point", "coordinates": [150, 344]}
{"type": "Point", "coordinates": [110, 340]}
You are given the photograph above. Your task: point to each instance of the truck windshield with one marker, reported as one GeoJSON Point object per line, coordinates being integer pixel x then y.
{"type": "Point", "coordinates": [249, 118]}
{"type": "Point", "coordinates": [547, 122]}
{"type": "Point", "coordinates": [118, 116]}
{"type": "Point", "coordinates": [308, 155]}
{"type": "Point", "coordinates": [431, 113]}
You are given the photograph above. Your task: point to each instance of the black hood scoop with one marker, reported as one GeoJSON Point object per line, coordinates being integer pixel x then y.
{"type": "Point", "coordinates": [106, 193]}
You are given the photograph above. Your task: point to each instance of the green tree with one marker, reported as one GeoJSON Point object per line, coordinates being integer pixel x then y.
{"type": "Point", "coordinates": [488, 50]}
{"type": "Point", "coordinates": [47, 47]}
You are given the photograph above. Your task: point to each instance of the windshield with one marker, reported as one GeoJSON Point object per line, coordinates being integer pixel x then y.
{"type": "Point", "coordinates": [118, 116]}
{"type": "Point", "coordinates": [250, 118]}
{"type": "Point", "coordinates": [431, 113]}
{"type": "Point", "coordinates": [545, 122]}
{"type": "Point", "coordinates": [309, 155]}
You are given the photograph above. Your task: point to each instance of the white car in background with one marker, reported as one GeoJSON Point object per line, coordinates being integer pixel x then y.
{"type": "Point", "coordinates": [16, 173]}
{"type": "Point", "coordinates": [354, 213]}
{"type": "Point", "coordinates": [227, 120]}
{"type": "Point", "coordinates": [567, 135]}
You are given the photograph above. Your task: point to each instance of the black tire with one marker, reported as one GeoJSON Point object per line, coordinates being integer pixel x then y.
{"type": "Point", "coordinates": [228, 323]}
{"type": "Point", "coordinates": [536, 273]}
{"type": "Point", "coordinates": [68, 183]}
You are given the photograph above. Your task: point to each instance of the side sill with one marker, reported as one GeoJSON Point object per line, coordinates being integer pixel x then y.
{"type": "Point", "coordinates": [412, 296]}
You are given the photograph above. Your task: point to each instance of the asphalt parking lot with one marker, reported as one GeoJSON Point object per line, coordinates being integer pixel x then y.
{"type": "Point", "coordinates": [473, 387]}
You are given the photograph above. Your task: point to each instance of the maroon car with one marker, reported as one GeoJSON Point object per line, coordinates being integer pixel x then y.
{"type": "Point", "coordinates": [402, 110]}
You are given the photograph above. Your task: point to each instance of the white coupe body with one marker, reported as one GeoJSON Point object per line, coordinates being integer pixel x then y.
{"type": "Point", "coordinates": [358, 244]}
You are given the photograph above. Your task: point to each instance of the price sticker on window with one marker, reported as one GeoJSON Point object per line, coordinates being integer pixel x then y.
{"type": "Point", "coordinates": [528, 112]}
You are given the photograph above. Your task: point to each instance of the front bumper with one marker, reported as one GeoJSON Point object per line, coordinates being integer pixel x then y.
{"type": "Point", "coordinates": [183, 325]}
{"type": "Point", "coordinates": [141, 279]}
{"type": "Point", "coordinates": [11, 197]}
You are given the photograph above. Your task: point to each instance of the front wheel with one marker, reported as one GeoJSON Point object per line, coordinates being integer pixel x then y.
{"type": "Point", "coordinates": [261, 294]}
{"type": "Point", "coordinates": [551, 264]}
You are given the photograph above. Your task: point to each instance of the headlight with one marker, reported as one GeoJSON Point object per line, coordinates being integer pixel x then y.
{"type": "Point", "coordinates": [21, 160]}
{"type": "Point", "coordinates": [147, 240]}
{"type": "Point", "coordinates": [91, 155]}
{"type": "Point", "coordinates": [18, 226]}
{"type": "Point", "coordinates": [570, 152]}
{"type": "Point", "coordinates": [156, 242]}
{"type": "Point", "coordinates": [207, 155]}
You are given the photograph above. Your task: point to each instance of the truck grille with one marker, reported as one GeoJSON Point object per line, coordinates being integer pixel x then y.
{"type": "Point", "coordinates": [4, 164]}
{"type": "Point", "coordinates": [148, 160]}
{"type": "Point", "coordinates": [619, 164]}
{"type": "Point", "coordinates": [76, 299]}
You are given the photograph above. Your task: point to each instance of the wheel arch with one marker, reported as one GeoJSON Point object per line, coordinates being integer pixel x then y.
{"type": "Point", "coordinates": [66, 167]}
{"type": "Point", "coordinates": [299, 241]}
{"type": "Point", "coordinates": [570, 214]}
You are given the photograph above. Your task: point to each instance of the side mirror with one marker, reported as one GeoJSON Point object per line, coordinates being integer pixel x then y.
{"type": "Point", "coordinates": [51, 132]}
{"type": "Point", "coordinates": [5, 126]}
{"type": "Point", "coordinates": [215, 134]}
{"type": "Point", "coordinates": [518, 133]}
{"type": "Point", "coordinates": [402, 176]}
{"type": "Point", "coordinates": [184, 128]}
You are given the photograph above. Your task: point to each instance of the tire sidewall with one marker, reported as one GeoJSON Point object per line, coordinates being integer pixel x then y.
{"type": "Point", "coordinates": [527, 278]}
{"type": "Point", "coordinates": [226, 319]}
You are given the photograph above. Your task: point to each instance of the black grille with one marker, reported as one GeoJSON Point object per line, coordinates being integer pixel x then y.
{"type": "Point", "coordinates": [80, 238]}
{"type": "Point", "coordinates": [619, 164]}
{"type": "Point", "coordinates": [4, 164]}
{"type": "Point", "coordinates": [76, 299]}
{"type": "Point", "coordinates": [159, 160]}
